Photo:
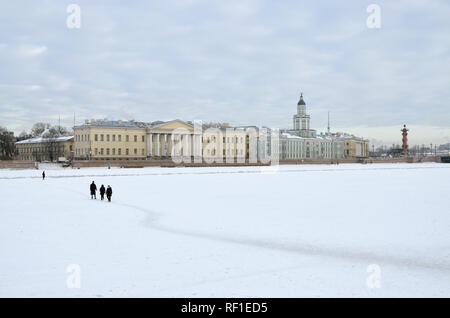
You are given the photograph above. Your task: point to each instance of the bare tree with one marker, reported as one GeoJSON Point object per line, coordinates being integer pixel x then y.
{"type": "Point", "coordinates": [39, 128]}
{"type": "Point", "coordinates": [24, 135]}
{"type": "Point", "coordinates": [7, 144]}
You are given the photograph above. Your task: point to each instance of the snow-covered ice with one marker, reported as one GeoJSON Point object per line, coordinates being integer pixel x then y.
{"type": "Point", "coordinates": [309, 230]}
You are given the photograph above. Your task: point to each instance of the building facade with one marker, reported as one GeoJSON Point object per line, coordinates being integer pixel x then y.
{"type": "Point", "coordinates": [131, 140]}
{"type": "Point", "coordinates": [184, 141]}
{"type": "Point", "coordinates": [45, 149]}
{"type": "Point", "coordinates": [225, 144]}
{"type": "Point", "coordinates": [302, 142]}
{"type": "Point", "coordinates": [355, 147]}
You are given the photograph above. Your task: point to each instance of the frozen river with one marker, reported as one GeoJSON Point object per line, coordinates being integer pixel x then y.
{"type": "Point", "coordinates": [378, 230]}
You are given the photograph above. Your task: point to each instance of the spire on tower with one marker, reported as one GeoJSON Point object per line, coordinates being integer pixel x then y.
{"type": "Point", "coordinates": [301, 101]}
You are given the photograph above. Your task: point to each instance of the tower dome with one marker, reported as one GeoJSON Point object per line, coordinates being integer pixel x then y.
{"type": "Point", "coordinates": [301, 101]}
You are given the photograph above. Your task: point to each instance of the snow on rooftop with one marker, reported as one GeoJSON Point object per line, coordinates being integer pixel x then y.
{"type": "Point", "coordinates": [41, 139]}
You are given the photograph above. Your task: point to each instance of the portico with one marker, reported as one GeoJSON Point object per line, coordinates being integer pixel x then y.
{"type": "Point", "coordinates": [173, 138]}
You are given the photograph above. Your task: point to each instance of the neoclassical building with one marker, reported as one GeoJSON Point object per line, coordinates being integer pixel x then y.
{"type": "Point", "coordinates": [179, 140]}
{"type": "Point", "coordinates": [45, 149]}
{"type": "Point", "coordinates": [302, 142]}
{"type": "Point", "coordinates": [132, 140]}
{"type": "Point", "coordinates": [176, 139]}
{"type": "Point", "coordinates": [302, 121]}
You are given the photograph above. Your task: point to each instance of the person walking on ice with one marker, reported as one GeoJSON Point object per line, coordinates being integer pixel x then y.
{"type": "Point", "coordinates": [93, 190]}
{"type": "Point", "coordinates": [43, 175]}
{"type": "Point", "coordinates": [102, 192]}
{"type": "Point", "coordinates": [109, 193]}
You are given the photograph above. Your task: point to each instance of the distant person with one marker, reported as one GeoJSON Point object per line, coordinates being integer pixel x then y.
{"type": "Point", "coordinates": [93, 190]}
{"type": "Point", "coordinates": [102, 192]}
{"type": "Point", "coordinates": [43, 175]}
{"type": "Point", "coordinates": [109, 193]}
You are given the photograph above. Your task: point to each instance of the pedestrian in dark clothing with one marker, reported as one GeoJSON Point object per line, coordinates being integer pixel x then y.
{"type": "Point", "coordinates": [93, 190]}
{"type": "Point", "coordinates": [102, 192]}
{"type": "Point", "coordinates": [109, 193]}
{"type": "Point", "coordinates": [43, 175]}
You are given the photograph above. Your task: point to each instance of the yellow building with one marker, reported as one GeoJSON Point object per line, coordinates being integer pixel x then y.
{"type": "Point", "coordinates": [225, 144]}
{"type": "Point", "coordinates": [131, 140]}
{"type": "Point", "coordinates": [178, 140]}
{"type": "Point", "coordinates": [45, 149]}
{"type": "Point", "coordinates": [103, 139]}
{"type": "Point", "coordinates": [355, 147]}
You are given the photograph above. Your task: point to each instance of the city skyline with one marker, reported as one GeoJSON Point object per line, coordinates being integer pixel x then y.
{"type": "Point", "coordinates": [244, 63]}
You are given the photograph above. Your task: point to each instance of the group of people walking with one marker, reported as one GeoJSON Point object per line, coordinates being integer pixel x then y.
{"type": "Point", "coordinates": [103, 191]}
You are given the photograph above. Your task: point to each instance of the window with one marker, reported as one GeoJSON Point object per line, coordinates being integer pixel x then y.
{"type": "Point", "coordinates": [127, 151]}
{"type": "Point", "coordinates": [223, 139]}
{"type": "Point", "coordinates": [143, 138]}
{"type": "Point", "coordinates": [102, 137]}
{"type": "Point", "coordinates": [120, 137]}
{"type": "Point", "coordinates": [107, 151]}
{"type": "Point", "coordinates": [119, 151]}
{"type": "Point", "coordinates": [143, 152]}
{"type": "Point", "coordinates": [135, 151]}
{"type": "Point", "coordinates": [114, 151]}
{"type": "Point", "coordinates": [101, 151]}
{"type": "Point", "coordinates": [242, 140]}
{"type": "Point", "coordinates": [107, 137]}
{"type": "Point", "coordinates": [96, 151]}
{"type": "Point", "coordinates": [113, 137]}
{"type": "Point", "coordinates": [135, 138]}
{"type": "Point", "coordinates": [96, 137]}
{"type": "Point", "coordinates": [127, 138]}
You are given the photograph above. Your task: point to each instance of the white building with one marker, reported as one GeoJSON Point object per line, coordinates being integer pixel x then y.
{"type": "Point", "coordinates": [302, 142]}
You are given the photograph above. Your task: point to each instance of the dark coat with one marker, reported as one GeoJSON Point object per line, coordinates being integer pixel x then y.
{"type": "Point", "coordinates": [109, 192]}
{"type": "Point", "coordinates": [102, 190]}
{"type": "Point", "coordinates": [93, 188]}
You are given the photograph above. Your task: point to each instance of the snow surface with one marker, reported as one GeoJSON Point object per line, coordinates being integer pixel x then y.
{"type": "Point", "coordinates": [294, 231]}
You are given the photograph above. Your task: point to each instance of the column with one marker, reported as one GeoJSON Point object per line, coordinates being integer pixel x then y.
{"type": "Point", "coordinates": [158, 147]}
{"type": "Point", "coordinates": [149, 145]}
{"type": "Point", "coordinates": [169, 144]}
{"type": "Point", "coordinates": [163, 145]}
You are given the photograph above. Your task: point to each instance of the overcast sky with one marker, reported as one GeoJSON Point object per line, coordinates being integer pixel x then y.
{"type": "Point", "coordinates": [243, 62]}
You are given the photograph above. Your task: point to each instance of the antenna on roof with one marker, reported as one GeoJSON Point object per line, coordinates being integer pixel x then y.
{"type": "Point", "coordinates": [328, 122]}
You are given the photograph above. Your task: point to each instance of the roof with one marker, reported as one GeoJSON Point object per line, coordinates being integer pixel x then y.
{"type": "Point", "coordinates": [127, 124]}
{"type": "Point", "coordinates": [114, 123]}
{"type": "Point", "coordinates": [38, 140]}
{"type": "Point", "coordinates": [301, 101]}
{"type": "Point", "coordinates": [289, 136]}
